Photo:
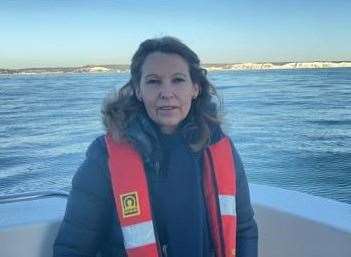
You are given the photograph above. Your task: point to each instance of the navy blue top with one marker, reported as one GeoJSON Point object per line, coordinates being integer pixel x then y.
{"type": "Point", "coordinates": [177, 200]}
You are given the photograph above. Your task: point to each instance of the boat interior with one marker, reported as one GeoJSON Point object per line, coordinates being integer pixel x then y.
{"type": "Point", "coordinates": [291, 224]}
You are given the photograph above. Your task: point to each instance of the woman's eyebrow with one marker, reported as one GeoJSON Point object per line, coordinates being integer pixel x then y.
{"type": "Point", "coordinates": [150, 75]}
{"type": "Point", "coordinates": [179, 74]}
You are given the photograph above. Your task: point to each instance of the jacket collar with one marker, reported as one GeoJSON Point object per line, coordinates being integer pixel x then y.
{"type": "Point", "coordinates": [144, 135]}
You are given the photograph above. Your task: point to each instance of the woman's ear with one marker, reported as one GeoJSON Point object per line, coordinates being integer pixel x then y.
{"type": "Point", "coordinates": [196, 90]}
{"type": "Point", "coordinates": [138, 94]}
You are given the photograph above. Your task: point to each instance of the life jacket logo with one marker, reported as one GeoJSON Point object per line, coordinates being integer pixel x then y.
{"type": "Point", "coordinates": [130, 204]}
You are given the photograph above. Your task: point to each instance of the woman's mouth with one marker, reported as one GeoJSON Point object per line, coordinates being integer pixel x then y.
{"type": "Point", "coordinates": [167, 111]}
{"type": "Point", "coordinates": [167, 108]}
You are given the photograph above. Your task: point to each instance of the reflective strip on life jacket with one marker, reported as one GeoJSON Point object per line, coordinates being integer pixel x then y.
{"type": "Point", "coordinates": [220, 190]}
{"type": "Point", "coordinates": [227, 205]}
{"type": "Point", "coordinates": [139, 234]}
{"type": "Point", "coordinates": [132, 201]}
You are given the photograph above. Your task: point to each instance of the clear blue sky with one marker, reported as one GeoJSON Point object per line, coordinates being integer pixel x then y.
{"type": "Point", "coordinates": [73, 33]}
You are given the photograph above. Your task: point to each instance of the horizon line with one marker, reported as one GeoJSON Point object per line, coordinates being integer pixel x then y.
{"type": "Point", "coordinates": [206, 64]}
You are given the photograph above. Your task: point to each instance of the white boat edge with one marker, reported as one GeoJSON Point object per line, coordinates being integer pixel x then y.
{"type": "Point", "coordinates": [294, 224]}
{"type": "Point", "coordinates": [291, 224]}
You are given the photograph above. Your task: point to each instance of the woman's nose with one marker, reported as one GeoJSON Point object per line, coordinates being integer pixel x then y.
{"type": "Point", "coordinates": [167, 91]}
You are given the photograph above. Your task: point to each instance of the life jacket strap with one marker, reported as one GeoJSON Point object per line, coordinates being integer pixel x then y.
{"type": "Point", "coordinates": [220, 191]}
{"type": "Point", "coordinates": [132, 201]}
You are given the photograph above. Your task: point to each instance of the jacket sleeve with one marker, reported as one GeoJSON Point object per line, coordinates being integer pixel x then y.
{"type": "Point", "coordinates": [247, 234]}
{"type": "Point", "coordinates": [88, 211]}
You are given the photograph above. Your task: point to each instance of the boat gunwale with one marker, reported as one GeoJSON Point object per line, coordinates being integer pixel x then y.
{"type": "Point", "coordinates": [35, 195]}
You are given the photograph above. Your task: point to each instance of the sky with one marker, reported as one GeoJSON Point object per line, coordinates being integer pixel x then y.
{"type": "Point", "coordinates": [75, 33]}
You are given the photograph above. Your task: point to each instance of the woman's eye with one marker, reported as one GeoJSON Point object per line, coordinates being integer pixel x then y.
{"type": "Point", "coordinates": [153, 81]}
{"type": "Point", "coordinates": [178, 80]}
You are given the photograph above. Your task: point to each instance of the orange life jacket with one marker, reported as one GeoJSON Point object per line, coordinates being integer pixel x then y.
{"type": "Point", "coordinates": [132, 198]}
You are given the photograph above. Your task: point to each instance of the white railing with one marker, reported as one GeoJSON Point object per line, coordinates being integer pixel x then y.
{"type": "Point", "coordinates": [31, 196]}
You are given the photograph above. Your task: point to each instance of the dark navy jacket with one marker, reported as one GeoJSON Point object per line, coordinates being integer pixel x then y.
{"type": "Point", "coordinates": [90, 224]}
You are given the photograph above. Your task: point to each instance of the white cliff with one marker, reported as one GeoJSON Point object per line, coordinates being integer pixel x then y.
{"type": "Point", "coordinates": [273, 66]}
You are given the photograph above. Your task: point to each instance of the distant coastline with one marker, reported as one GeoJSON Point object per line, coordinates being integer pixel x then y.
{"type": "Point", "coordinates": [210, 67]}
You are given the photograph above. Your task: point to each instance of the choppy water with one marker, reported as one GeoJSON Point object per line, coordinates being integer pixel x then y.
{"type": "Point", "coordinates": [292, 127]}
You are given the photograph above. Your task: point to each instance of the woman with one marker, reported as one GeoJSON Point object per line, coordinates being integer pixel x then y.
{"type": "Point", "coordinates": [164, 180]}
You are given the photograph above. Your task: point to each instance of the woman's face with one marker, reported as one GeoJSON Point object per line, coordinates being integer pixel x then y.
{"type": "Point", "coordinates": [166, 89]}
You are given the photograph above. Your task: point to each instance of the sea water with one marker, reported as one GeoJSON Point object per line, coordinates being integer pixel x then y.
{"type": "Point", "coordinates": [292, 128]}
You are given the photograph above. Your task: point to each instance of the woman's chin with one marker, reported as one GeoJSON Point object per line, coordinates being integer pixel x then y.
{"type": "Point", "coordinates": [168, 127]}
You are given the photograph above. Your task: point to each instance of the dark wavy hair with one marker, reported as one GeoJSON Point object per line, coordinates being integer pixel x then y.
{"type": "Point", "coordinates": [119, 109]}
